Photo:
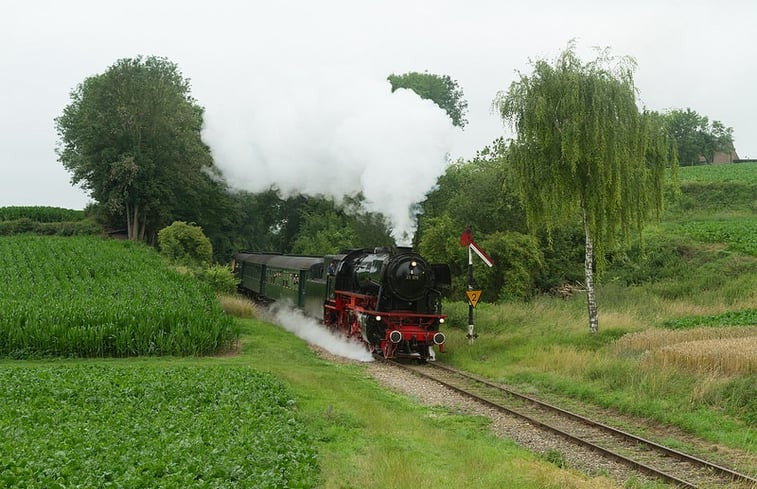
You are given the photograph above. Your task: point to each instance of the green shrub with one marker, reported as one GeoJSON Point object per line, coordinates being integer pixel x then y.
{"type": "Point", "coordinates": [517, 260]}
{"type": "Point", "coordinates": [744, 317]}
{"type": "Point", "coordinates": [185, 243]}
{"type": "Point", "coordinates": [220, 278]}
{"type": "Point", "coordinates": [25, 225]}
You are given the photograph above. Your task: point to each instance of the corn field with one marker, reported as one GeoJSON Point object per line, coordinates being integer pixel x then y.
{"type": "Point", "coordinates": [91, 297]}
{"type": "Point", "coordinates": [40, 214]}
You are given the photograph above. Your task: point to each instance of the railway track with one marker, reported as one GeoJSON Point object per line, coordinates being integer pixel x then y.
{"type": "Point", "coordinates": [640, 454]}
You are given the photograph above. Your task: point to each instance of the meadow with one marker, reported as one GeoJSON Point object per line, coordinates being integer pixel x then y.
{"type": "Point", "coordinates": [678, 322]}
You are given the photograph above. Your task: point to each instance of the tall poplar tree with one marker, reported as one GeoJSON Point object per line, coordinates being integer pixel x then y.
{"type": "Point", "coordinates": [583, 150]}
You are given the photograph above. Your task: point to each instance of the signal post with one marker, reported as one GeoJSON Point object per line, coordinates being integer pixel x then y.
{"type": "Point", "coordinates": [473, 294]}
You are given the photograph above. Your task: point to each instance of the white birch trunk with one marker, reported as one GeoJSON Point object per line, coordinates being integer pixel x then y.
{"type": "Point", "coordinates": [591, 298]}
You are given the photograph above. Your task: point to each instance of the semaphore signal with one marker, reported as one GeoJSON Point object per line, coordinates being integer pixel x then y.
{"type": "Point", "coordinates": [473, 294]}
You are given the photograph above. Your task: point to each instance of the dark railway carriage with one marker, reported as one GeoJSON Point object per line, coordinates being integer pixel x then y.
{"type": "Point", "coordinates": [388, 298]}
{"type": "Point", "coordinates": [297, 280]}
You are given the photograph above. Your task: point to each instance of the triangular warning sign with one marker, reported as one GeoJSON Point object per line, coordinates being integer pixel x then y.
{"type": "Point", "coordinates": [473, 296]}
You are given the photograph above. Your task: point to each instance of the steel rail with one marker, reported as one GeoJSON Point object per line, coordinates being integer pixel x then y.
{"type": "Point", "coordinates": [635, 464]}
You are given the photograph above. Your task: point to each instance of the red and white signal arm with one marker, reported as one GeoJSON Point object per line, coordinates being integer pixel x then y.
{"type": "Point", "coordinates": [481, 254]}
{"type": "Point", "coordinates": [466, 239]}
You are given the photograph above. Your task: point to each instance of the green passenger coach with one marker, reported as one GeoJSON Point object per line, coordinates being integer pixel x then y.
{"type": "Point", "coordinates": [298, 280]}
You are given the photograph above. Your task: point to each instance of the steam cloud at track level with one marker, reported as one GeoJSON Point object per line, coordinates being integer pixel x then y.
{"type": "Point", "coordinates": [317, 334]}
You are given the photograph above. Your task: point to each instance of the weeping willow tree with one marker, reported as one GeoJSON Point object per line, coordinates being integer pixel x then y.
{"type": "Point", "coordinates": [583, 150]}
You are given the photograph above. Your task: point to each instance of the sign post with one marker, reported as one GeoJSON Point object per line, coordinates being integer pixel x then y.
{"type": "Point", "coordinates": [473, 294]}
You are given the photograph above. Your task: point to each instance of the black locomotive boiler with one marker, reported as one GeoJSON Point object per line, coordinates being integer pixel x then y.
{"type": "Point", "coordinates": [390, 299]}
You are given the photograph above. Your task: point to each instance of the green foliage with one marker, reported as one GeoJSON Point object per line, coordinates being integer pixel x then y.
{"type": "Point", "coordinates": [93, 426]}
{"type": "Point", "coordinates": [695, 137]}
{"type": "Point", "coordinates": [563, 250]}
{"type": "Point", "coordinates": [85, 296]}
{"type": "Point", "coordinates": [518, 261]}
{"type": "Point", "coordinates": [46, 221]}
{"type": "Point", "coordinates": [739, 233]}
{"type": "Point", "coordinates": [25, 225]}
{"type": "Point", "coordinates": [185, 243]}
{"type": "Point", "coordinates": [745, 173]}
{"type": "Point", "coordinates": [744, 317]}
{"type": "Point", "coordinates": [40, 214]}
{"type": "Point", "coordinates": [220, 278]}
{"type": "Point", "coordinates": [440, 89]}
{"type": "Point", "coordinates": [131, 137]}
{"type": "Point", "coordinates": [328, 227]}
{"type": "Point", "coordinates": [713, 197]}
{"type": "Point", "coordinates": [478, 193]}
{"type": "Point", "coordinates": [583, 146]}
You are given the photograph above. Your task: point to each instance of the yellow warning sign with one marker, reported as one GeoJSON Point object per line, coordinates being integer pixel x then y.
{"type": "Point", "coordinates": [473, 296]}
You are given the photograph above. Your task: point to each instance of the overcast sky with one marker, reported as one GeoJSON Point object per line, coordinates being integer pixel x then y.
{"type": "Point", "coordinates": [270, 73]}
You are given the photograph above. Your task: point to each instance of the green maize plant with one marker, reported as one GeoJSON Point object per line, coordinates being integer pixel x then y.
{"type": "Point", "coordinates": [88, 296]}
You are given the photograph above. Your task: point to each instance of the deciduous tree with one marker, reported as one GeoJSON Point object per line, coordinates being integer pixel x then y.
{"type": "Point", "coordinates": [583, 150]}
{"type": "Point", "coordinates": [131, 137]}
{"type": "Point", "coordinates": [696, 138]}
{"type": "Point", "coordinates": [440, 89]}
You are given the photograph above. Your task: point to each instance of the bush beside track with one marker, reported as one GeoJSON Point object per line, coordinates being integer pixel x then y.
{"type": "Point", "coordinates": [92, 297]}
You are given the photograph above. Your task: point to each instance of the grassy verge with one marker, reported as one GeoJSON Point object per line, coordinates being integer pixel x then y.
{"type": "Point", "coordinates": [689, 378]}
{"type": "Point", "coordinates": [369, 437]}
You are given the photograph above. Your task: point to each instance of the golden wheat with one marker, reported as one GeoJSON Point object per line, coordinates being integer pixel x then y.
{"type": "Point", "coordinates": [729, 356]}
{"type": "Point", "coordinates": [653, 339]}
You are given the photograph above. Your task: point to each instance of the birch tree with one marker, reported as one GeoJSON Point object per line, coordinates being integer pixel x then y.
{"type": "Point", "coordinates": [582, 149]}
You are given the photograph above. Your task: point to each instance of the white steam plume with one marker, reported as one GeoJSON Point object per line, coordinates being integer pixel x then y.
{"type": "Point", "coordinates": [317, 334]}
{"type": "Point", "coordinates": [319, 134]}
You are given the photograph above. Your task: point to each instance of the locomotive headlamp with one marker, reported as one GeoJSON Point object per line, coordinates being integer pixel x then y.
{"type": "Point", "coordinates": [378, 318]}
{"type": "Point", "coordinates": [395, 336]}
{"type": "Point", "coordinates": [413, 263]}
{"type": "Point", "coordinates": [441, 320]}
{"type": "Point", "coordinates": [439, 338]}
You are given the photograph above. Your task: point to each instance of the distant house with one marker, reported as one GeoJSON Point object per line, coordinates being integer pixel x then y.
{"type": "Point", "coordinates": [721, 157]}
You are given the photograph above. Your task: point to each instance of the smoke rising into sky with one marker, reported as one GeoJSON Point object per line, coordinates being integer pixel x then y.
{"type": "Point", "coordinates": [322, 134]}
{"type": "Point", "coordinates": [317, 334]}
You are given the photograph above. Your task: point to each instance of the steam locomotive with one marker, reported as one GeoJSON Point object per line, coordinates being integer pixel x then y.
{"type": "Point", "coordinates": [390, 299]}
